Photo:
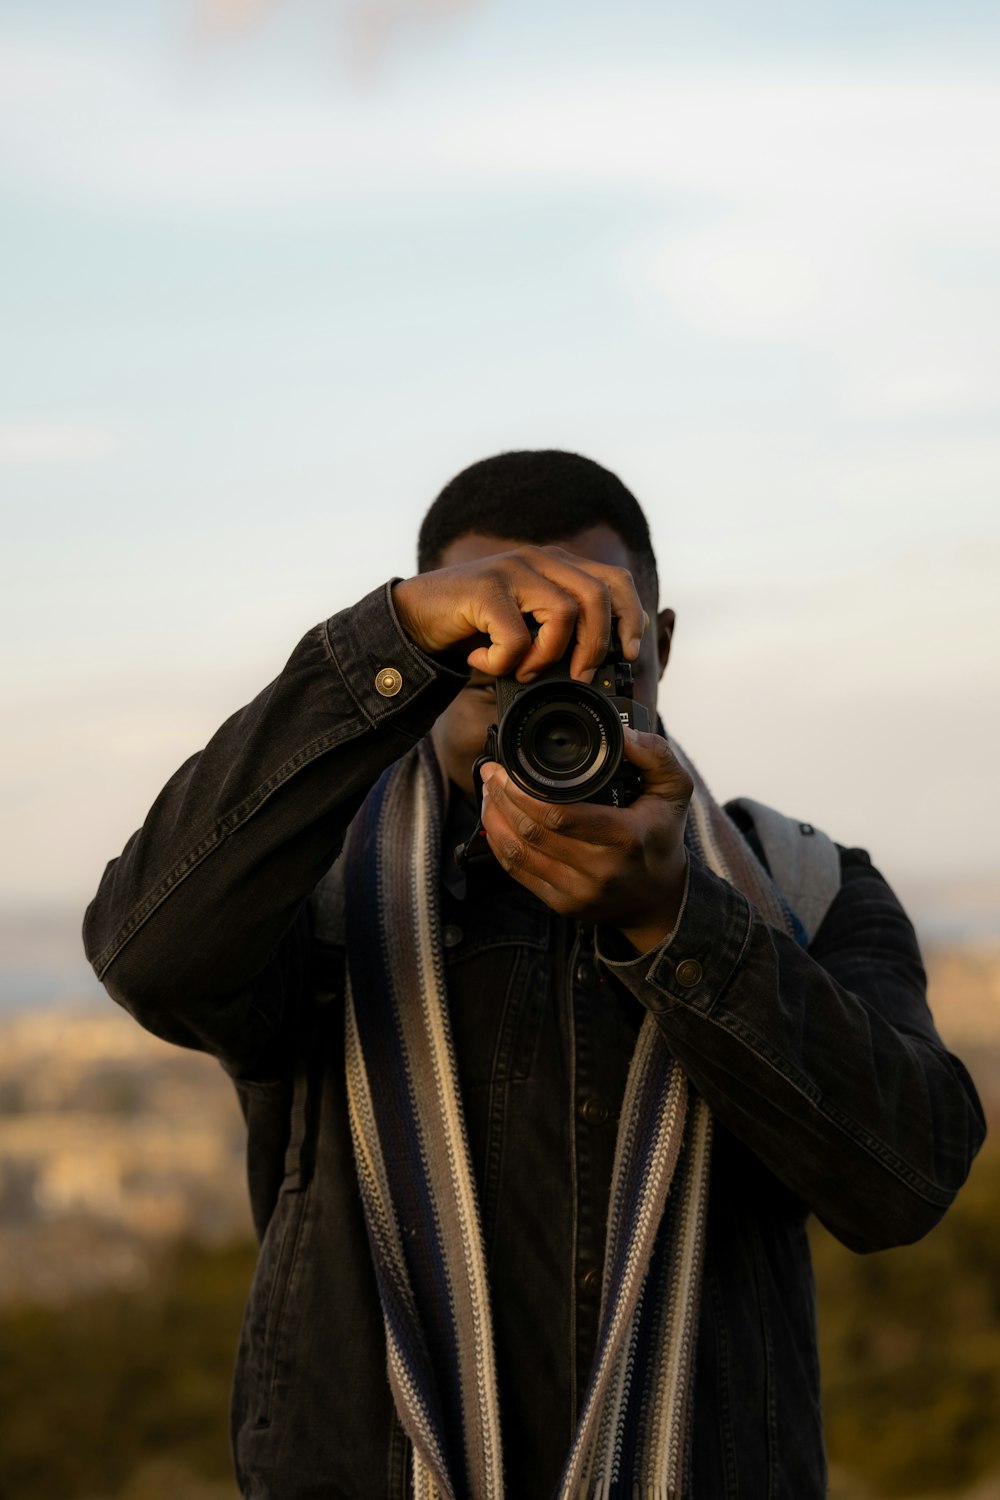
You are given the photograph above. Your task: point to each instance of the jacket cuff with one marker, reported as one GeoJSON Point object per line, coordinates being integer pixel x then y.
{"type": "Point", "coordinates": [384, 671]}
{"type": "Point", "coordinates": [694, 964]}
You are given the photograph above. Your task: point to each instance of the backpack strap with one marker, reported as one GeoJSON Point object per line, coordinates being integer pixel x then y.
{"type": "Point", "coordinates": [804, 863]}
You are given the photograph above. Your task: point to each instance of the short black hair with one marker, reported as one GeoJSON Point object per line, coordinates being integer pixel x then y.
{"type": "Point", "coordinates": [537, 495]}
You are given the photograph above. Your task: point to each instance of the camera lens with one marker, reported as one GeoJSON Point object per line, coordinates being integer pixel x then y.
{"type": "Point", "coordinates": [561, 743]}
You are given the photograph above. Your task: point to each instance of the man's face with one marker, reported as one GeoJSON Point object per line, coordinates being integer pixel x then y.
{"type": "Point", "coordinates": [460, 732]}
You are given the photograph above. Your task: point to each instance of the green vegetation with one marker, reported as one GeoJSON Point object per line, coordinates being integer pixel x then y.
{"type": "Point", "coordinates": [96, 1397]}
{"type": "Point", "coordinates": [123, 1396]}
{"type": "Point", "coordinates": [910, 1350]}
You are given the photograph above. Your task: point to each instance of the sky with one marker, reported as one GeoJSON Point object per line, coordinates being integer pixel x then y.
{"type": "Point", "coordinates": [273, 272]}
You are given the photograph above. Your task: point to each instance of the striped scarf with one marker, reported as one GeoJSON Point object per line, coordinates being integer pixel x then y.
{"type": "Point", "coordinates": [419, 1193]}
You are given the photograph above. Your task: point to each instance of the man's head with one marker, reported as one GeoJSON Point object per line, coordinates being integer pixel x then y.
{"type": "Point", "coordinates": [540, 497]}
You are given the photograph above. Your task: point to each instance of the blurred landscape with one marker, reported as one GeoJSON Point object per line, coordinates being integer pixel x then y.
{"type": "Point", "coordinates": [126, 1252]}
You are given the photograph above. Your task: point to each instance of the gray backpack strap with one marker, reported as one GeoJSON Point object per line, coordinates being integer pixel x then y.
{"type": "Point", "coordinates": [804, 863]}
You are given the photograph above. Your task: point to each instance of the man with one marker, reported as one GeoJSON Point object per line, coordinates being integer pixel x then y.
{"type": "Point", "coordinates": [532, 1144]}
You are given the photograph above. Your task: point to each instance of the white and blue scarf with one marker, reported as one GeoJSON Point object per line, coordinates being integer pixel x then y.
{"type": "Point", "coordinates": [419, 1192]}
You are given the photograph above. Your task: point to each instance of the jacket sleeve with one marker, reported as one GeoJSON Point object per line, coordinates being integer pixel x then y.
{"type": "Point", "coordinates": [825, 1062]}
{"type": "Point", "coordinates": [201, 927]}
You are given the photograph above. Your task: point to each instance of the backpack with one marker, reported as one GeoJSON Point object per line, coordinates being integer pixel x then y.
{"type": "Point", "coordinates": [803, 862]}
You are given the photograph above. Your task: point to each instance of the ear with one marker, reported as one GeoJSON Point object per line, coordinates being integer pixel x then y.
{"type": "Point", "coordinates": [665, 621]}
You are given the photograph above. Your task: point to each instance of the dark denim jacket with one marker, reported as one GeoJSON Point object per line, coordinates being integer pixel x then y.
{"type": "Point", "coordinates": [219, 928]}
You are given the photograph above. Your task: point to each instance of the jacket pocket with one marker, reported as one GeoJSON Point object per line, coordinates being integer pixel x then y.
{"type": "Point", "coordinates": [497, 1000]}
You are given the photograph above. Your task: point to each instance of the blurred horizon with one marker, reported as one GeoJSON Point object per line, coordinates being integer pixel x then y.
{"type": "Point", "coordinates": [276, 271]}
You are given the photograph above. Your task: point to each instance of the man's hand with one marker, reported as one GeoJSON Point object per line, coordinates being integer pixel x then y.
{"type": "Point", "coordinates": [483, 603]}
{"type": "Point", "coordinates": [623, 867]}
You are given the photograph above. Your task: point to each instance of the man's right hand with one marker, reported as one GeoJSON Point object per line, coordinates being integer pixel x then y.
{"type": "Point", "coordinates": [483, 603]}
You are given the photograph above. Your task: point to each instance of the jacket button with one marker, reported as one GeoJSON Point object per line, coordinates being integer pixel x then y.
{"type": "Point", "coordinates": [586, 974]}
{"type": "Point", "coordinates": [688, 973]}
{"type": "Point", "coordinates": [452, 935]}
{"type": "Point", "coordinates": [594, 1111]}
{"type": "Point", "coordinates": [590, 1283]}
{"type": "Point", "coordinates": [388, 682]}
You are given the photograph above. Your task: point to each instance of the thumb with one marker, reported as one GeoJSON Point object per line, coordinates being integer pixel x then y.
{"type": "Point", "coordinates": [661, 771]}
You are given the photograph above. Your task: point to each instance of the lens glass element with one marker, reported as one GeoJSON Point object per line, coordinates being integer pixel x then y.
{"type": "Point", "coordinates": [561, 742]}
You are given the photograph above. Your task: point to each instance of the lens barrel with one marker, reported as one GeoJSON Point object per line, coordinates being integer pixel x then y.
{"type": "Point", "coordinates": [561, 741]}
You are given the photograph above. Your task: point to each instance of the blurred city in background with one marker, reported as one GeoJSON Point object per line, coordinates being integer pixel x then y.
{"type": "Point", "coordinates": [274, 270]}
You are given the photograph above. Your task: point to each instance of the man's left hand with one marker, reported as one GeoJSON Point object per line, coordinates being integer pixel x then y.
{"type": "Point", "coordinates": [622, 867]}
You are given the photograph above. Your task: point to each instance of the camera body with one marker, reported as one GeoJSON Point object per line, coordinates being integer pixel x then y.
{"type": "Point", "coordinates": [562, 740]}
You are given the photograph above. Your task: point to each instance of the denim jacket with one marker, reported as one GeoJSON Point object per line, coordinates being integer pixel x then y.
{"type": "Point", "coordinates": [220, 927]}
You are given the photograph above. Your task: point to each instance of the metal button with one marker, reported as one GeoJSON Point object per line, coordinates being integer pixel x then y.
{"type": "Point", "coordinates": [594, 1111]}
{"type": "Point", "coordinates": [452, 935]}
{"type": "Point", "coordinates": [688, 973]}
{"type": "Point", "coordinates": [388, 682]}
{"type": "Point", "coordinates": [590, 1282]}
{"type": "Point", "coordinates": [586, 974]}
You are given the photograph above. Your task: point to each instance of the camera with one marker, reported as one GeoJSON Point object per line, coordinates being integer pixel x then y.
{"type": "Point", "coordinates": [562, 740]}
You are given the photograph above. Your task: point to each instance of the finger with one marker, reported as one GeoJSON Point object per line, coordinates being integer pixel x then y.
{"type": "Point", "coordinates": [555, 897]}
{"type": "Point", "coordinates": [501, 621]}
{"type": "Point", "coordinates": [572, 600]}
{"type": "Point", "coordinates": [615, 595]}
{"type": "Point", "coordinates": [559, 881]}
{"type": "Point", "coordinates": [662, 773]}
{"type": "Point", "coordinates": [624, 602]}
{"type": "Point", "coordinates": [562, 827]}
{"type": "Point", "coordinates": [598, 591]}
{"type": "Point", "coordinates": [578, 612]}
{"type": "Point", "coordinates": [497, 610]}
{"type": "Point", "coordinates": [632, 619]}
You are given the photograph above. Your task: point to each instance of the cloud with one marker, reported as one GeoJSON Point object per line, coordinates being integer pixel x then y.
{"type": "Point", "coordinates": [825, 142]}
{"type": "Point", "coordinates": [231, 15]}
{"type": "Point", "coordinates": [370, 26]}
{"type": "Point", "coordinates": [849, 211]}
{"type": "Point", "coordinates": [879, 293]}
{"type": "Point", "coordinates": [859, 216]}
{"type": "Point", "coordinates": [53, 441]}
